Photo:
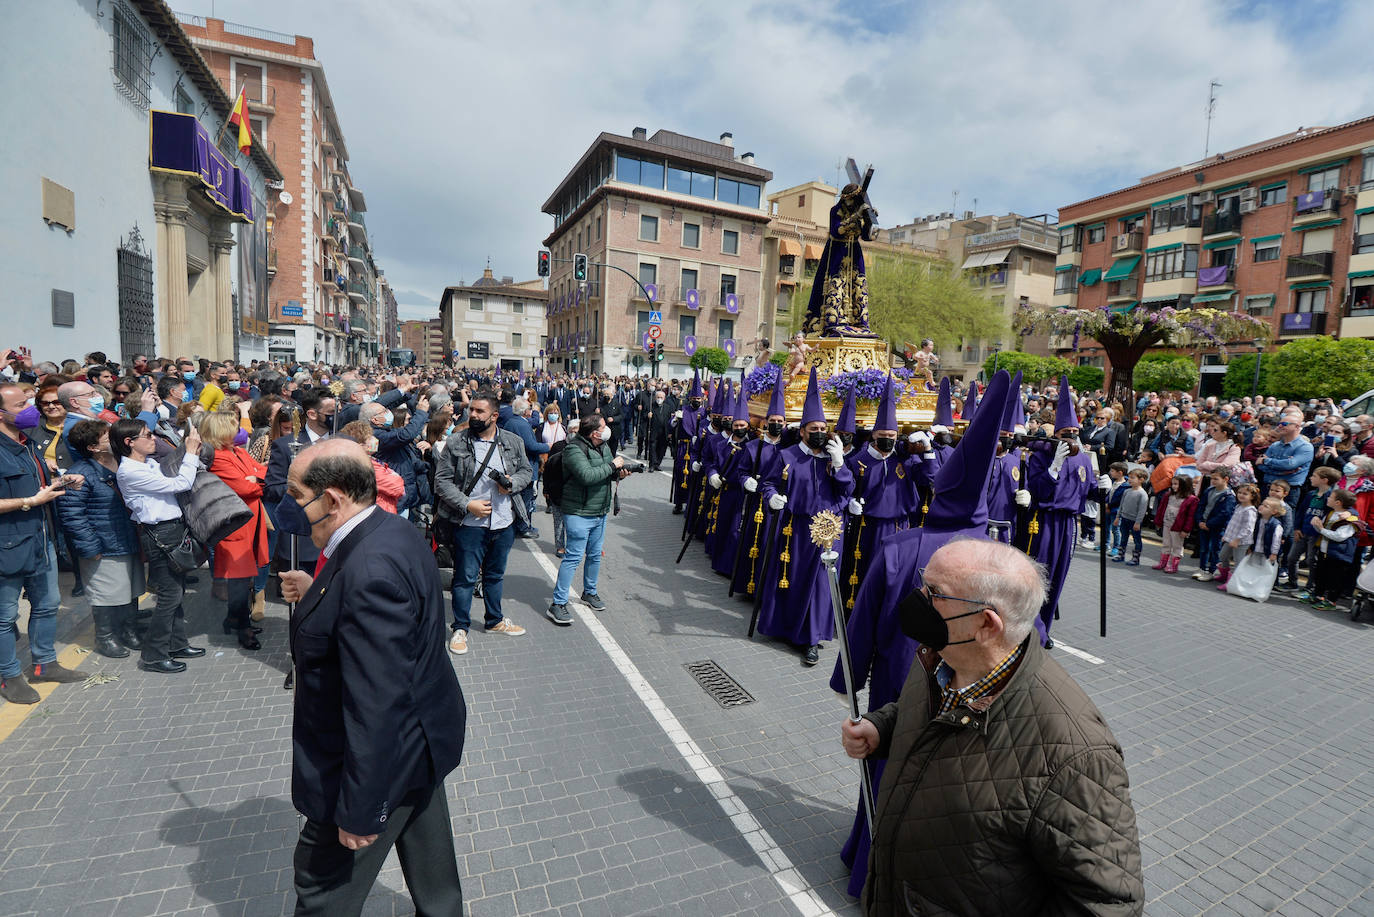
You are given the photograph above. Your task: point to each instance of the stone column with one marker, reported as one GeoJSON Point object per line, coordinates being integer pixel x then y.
{"type": "Point", "coordinates": [172, 211]}
{"type": "Point", "coordinates": [221, 250]}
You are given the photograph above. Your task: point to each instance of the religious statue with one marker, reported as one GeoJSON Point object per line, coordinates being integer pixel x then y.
{"type": "Point", "coordinates": [797, 351]}
{"type": "Point", "coordinates": [839, 297]}
{"type": "Point", "coordinates": [922, 361]}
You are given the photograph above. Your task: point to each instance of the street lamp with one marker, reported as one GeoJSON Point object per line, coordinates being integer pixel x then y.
{"type": "Point", "coordinates": [1259, 355]}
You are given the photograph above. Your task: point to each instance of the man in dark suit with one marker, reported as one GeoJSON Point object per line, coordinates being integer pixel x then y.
{"type": "Point", "coordinates": [1106, 437]}
{"type": "Point", "coordinates": [379, 716]}
{"type": "Point", "coordinates": [317, 406]}
{"type": "Point", "coordinates": [659, 428]}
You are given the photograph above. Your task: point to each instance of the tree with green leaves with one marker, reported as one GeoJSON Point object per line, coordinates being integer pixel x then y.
{"type": "Point", "coordinates": [910, 299]}
{"type": "Point", "coordinates": [1166, 372]}
{"type": "Point", "coordinates": [712, 359]}
{"type": "Point", "coordinates": [1239, 381]}
{"type": "Point", "coordinates": [1321, 367]}
{"type": "Point", "coordinates": [1086, 378]}
{"type": "Point", "coordinates": [1034, 369]}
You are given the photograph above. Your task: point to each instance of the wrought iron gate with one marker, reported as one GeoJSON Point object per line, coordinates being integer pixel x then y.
{"type": "Point", "coordinates": [136, 309]}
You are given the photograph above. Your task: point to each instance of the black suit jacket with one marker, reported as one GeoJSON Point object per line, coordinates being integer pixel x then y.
{"type": "Point", "coordinates": [274, 488]}
{"type": "Point", "coordinates": [1109, 442]}
{"type": "Point", "coordinates": [379, 712]}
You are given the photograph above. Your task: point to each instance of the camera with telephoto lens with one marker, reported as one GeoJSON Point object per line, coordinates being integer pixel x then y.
{"type": "Point", "coordinates": [633, 467]}
{"type": "Point", "coordinates": [501, 478]}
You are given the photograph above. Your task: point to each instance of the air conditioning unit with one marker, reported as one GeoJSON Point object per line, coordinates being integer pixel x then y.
{"type": "Point", "coordinates": [1249, 206]}
{"type": "Point", "coordinates": [1352, 190]}
{"type": "Point", "coordinates": [1207, 197]}
{"type": "Point", "coordinates": [788, 269]}
{"type": "Point", "coordinates": [1249, 194]}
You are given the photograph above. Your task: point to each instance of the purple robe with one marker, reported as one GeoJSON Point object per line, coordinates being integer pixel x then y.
{"type": "Point", "coordinates": [887, 485]}
{"type": "Point", "coordinates": [684, 436]}
{"type": "Point", "coordinates": [1058, 501]}
{"type": "Point", "coordinates": [730, 500]}
{"type": "Point", "coordinates": [714, 451]}
{"type": "Point", "coordinates": [801, 614]}
{"type": "Point", "coordinates": [1003, 483]}
{"type": "Point", "coordinates": [758, 461]}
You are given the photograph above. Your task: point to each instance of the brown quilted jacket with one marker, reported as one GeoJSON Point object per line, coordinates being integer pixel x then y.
{"type": "Point", "coordinates": [1017, 803]}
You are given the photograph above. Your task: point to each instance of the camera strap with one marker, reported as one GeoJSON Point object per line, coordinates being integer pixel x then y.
{"type": "Point", "coordinates": [481, 469]}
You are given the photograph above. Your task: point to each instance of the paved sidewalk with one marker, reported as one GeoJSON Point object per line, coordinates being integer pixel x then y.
{"type": "Point", "coordinates": [1245, 729]}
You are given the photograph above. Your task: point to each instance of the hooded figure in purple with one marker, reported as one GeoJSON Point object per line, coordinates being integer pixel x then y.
{"type": "Point", "coordinates": [810, 477]}
{"type": "Point", "coordinates": [845, 425]}
{"type": "Point", "coordinates": [1005, 495]}
{"type": "Point", "coordinates": [759, 462]}
{"type": "Point", "coordinates": [1060, 477]}
{"type": "Point", "coordinates": [885, 498]}
{"type": "Point", "coordinates": [881, 653]}
{"type": "Point", "coordinates": [713, 438]}
{"type": "Point", "coordinates": [727, 479]}
{"type": "Point", "coordinates": [684, 433]}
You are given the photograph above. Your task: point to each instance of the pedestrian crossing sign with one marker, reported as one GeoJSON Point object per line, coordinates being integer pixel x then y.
{"type": "Point", "coordinates": [655, 318]}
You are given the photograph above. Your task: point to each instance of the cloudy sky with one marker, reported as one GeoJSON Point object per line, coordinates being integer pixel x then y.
{"type": "Point", "coordinates": [461, 117]}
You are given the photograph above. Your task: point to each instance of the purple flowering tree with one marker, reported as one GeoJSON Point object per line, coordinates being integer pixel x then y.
{"type": "Point", "coordinates": [1126, 336]}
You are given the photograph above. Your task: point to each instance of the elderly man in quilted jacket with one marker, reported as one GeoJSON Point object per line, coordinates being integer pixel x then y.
{"type": "Point", "coordinates": [1004, 791]}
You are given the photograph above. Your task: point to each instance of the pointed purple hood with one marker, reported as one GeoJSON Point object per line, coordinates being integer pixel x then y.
{"type": "Point", "coordinates": [944, 409]}
{"type": "Point", "coordinates": [1014, 415]}
{"type": "Point", "coordinates": [960, 488]}
{"type": "Point", "coordinates": [970, 403]}
{"type": "Point", "coordinates": [887, 408]}
{"type": "Point", "coordinates": [811, 408]}
{"type": "Point", "coordinates": [845, 422]}
{"type": "Point", "coordinates": [777, 405]}
{"type": "Point", "coordinates": [1065, 415]}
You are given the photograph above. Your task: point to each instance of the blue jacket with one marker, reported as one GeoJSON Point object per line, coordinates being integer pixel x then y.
{"type": "Point", "coordinates": [1163, 444]}
{"type": "Point", "coordinates": [94, 514]}
{"type": "Point", "coordinates": [23, 536]}
{"type": "Point", "coordinates": [1119, 491]}
{"type": "Point", "coordinates": [1221, 513]}
{"type": "Point", "coordinates": [393, 450]}
{"type": "Point", "coordinates": [510, 421]}
{"type": "Point", "coordinates": [1315, 512]}
{"type": "Point", "coordinates": [1287, 461]}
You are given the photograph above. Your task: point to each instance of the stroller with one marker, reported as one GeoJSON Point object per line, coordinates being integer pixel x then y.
{"type": "Point", "coordinates": [1363, 600]}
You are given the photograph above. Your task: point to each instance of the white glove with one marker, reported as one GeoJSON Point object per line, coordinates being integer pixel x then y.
{"type": "Point", "coordinates": [716, 481]}
{"type": "Point", "coordinates": [920, 436]}
{"type": "Point", "coordinates": [794, 425]}
{"type": "Point", "coordinates": [677, 415]}
{"type": "Point", "coordinates": [696, 466]}
{"type": "Point", "coordinates": [835, 449]}
{"type": "Point", "coordinates": [856, 507]}
{"type": "Point", "coordinates": [1023, 498]}
{"type": "Point", "coordinates": [751, 484]}
{"type": "Point", "coordinates": [777, 502]}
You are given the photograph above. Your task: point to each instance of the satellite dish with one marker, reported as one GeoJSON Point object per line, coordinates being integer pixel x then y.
{"type": "Point", "coordinates": [285, 197]}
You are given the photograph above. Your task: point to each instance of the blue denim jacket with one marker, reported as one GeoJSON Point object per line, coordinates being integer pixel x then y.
{"type": "Point", "coordinates": [1287, 461]}
{"type": "Point", "coordinates": [23, 536]}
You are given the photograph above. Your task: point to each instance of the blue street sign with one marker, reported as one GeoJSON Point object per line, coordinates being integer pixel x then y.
{"type": "Point", "coordinates": [293, 311]}
{"type": "Point", "coordinates": [655, 318]}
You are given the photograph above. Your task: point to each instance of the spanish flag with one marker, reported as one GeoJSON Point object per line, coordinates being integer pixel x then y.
{"type": "Point", "coordinates": [239, 117]}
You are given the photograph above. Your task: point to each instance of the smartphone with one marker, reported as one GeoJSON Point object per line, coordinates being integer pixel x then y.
{"type": "Point", "coordinates": [1329, 440]}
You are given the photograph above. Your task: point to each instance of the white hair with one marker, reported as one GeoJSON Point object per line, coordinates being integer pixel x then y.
{"type": "Point", "coordinates": [370, 410]}
{"type": "Point", "coordinates": [1005, 578]}
{"type": "Point", "coordinates": [519, 406]}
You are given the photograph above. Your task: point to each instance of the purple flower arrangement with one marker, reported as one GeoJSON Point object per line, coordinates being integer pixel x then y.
{"type": "Point", "coordinates": [868, 384]}
{"type": "Point", "coordinates": [762, 379]}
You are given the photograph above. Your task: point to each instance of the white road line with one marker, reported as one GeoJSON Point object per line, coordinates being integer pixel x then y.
{"type": "Point", "coordinates": [774, 859]}
{"type": "Point", "coordinates": [1073, 651]}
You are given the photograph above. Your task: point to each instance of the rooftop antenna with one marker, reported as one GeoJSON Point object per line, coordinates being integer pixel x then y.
{"type": "Point", "coordinates": [839, 168]}
{"type": "Point", "coordinates": [954, 207]}
{"type": "Point", "coordinates": [1211, 111]}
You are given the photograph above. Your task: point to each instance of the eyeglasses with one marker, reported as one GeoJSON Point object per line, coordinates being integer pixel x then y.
{"type": "Point", "coordinates": [124, 392]}
{"type": "Point", "coordinates": [49, 404]}
{"type": "Point", "coordinates": [146, 434]}
{"type": "Point", "coordinates": [933, 594]}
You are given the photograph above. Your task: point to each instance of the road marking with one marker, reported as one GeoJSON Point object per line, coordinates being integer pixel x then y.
{"type": "Point", "coordinates": [12, 715]}
{"type": "Point", "coordinates": [774, 859]}
{"type": "Point", "coordinates": [1074, 651]}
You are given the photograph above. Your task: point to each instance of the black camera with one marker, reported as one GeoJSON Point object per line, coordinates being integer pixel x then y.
{"type": "Point", "coordinates": [501, 478]}
{"type": "Point", "coordinates": [632, 467]}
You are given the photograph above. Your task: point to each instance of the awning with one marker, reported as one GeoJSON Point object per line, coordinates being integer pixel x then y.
{"type": "Point", "coordinates": [1158, 299]}
{"type": "Point", "coordinates": [1090, 276]}
{"type": "Point", "coordinates": [986, 259]}
{"type": "Point", "coordinates": [1358, 275]}
{"type": "Point", "coordinates": [1163, 248]}
{"type": "Point", "coordinates": [1225, 243]}
{"type": "Point", "coordinates": [1213, 297]}
{"type": "Point", "coordinates": [1122, 269]}
{"type": "Point", "coordinates": [1314, 285]}
{"type": "Point", "coordinates": [813, 251]}
{"type": "Point", "coordinates": [1320, 224]}
{"type": "Point", "coordinates": [1258, 239]}
{"type": "Point", "coordinates": [1124, 307]}
{"type": "Point", "coordinates": [1260, 301]}
{"type": "Point", "coordinates": [1060, 268]}
{"type": "Point", "coordinates": [789, 247]}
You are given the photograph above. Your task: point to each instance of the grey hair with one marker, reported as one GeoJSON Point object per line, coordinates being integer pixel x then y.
{"type": "Point", "coordinates": [47, 368]}
{"type": "Point", "coordinates": [352, 387]}
{"type": "Point", "coordinates": [370, 410]}
{"type": "Point", "coordinates": [1363, 463]}
{"type": "Point", "coordinates": [438, 401]}
{"type": "Point", "coordinates": [1111, 415]}
{"type": "Point", "coordinates": [1006, 579]}
{"type": "Point", "coordinates": [519, 406]}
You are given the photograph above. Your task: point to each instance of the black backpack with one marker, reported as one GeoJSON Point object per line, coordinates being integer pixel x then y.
{"type": "Point", "coordinates": [552, 474]}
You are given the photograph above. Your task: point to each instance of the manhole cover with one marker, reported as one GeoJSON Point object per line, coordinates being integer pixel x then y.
{"type": "Point", "coordinates": [722, 688]}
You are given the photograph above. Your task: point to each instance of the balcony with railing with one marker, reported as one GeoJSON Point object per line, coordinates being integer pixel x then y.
{"type": "Point", "coordinates": [357, 223]}
{"type": "Point", "coordinates": [1029, 234]}
{"type": "Point", "coordinates": [1221, 225]}
{"type": "Point", "coordinates": [1222, 275]}
{"type": "Point", "coordinates": [1315, 206]}
{"type": "Point", "coordinates": [1302, 323]}
{"type": "Point", "coordinates": [357, 256]}
{"type": "Point", "coordinates": [358, 292]}
{"type": "Point", "coordinates": [1310, 266]}
{"type": "Point", "coordinates": [1119, 291]}
{"type": "Point", "coordinates": [1128, 243]}
{"type": "Point", "coordinates": [261, 99]}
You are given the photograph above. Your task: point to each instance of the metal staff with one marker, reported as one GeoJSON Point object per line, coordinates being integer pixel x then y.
{"type": "Point", "coordinates": [295, 447]}
{"type": "Point", "coordinates": [772, 518]}
{"type": "Point", "coordinates": [825, 528]}
{"type": "Point", "coordinates": [740, 548]}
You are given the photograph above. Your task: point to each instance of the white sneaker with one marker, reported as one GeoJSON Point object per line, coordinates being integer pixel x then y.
{"type": "Point", "coordinates": [458, 643]}
{"type": "Point", "coordinates": [1205, 576]}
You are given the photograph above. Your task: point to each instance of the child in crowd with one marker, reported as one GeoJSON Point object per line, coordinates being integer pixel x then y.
{"type": "Point", "coordinates": [1333, 575]}
{"type": "Point", "coordinates": [1238, 531]}
{"type": "Point", "coordinates": [1216, 505]}
{"type": "Point", "coordinates": [1281, 490]}
{"type": "Point", "coordinates": [1117, 489]}
{"type": "Point", "coordinates": [1268, 538]}
{"type": "Point", "coordinates": [1149, 458]}
{"type": "Point", "coordinates": [1174, 518]}
{"type": "Point", "coordinates": [1135, 505]}
{"type": "Point", "coordinates": [1306, 539]}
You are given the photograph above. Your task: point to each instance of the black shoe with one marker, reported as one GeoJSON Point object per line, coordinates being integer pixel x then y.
{"type": "Point", "coordinates": [78, 589]}
{"type": "Point", "coordinates": [1049, 644]}
{"type": "Point", "coordinates": [17, 690]}
{"type": "Point", "coordinates": [57, 673]}
{"type": "Point", "coordinates": [813, 654]}
{"type": "Point", "coordinates": [248, 640]}
{"type": "Point", "coordinates": [130, 638]}
{"type": "Point", "coordinates": [107, 646]}
{"type": "Point", "coordinates": [190, 579]}
{"type": "Point", "coordinates": [677, 511]}
{"type": "Point", "coordinates": [163, 666]}
{"type": "Point", "coordinates": [229, 627]}
{"type": "Point", "coordinates": [188, 652]}
{"type": "Point", "coordinates": [559, 615]}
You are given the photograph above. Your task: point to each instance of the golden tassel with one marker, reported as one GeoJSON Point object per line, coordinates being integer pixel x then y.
{"type": "Point", "coordinates": [1032, 529]}
{"type": "Point", "coordinates": [786, 554]}
{"type": "Point", "coordinates": [858, 555]}
{"type": "Point", "coordinates": [754, 549]}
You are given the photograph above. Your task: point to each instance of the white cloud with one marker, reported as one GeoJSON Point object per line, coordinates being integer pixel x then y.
{"type": "Point", "coordinates": [461, 118]}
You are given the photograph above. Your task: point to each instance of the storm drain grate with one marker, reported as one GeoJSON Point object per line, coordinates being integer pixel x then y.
{"type": "Point", "coordinates": [722, 688]}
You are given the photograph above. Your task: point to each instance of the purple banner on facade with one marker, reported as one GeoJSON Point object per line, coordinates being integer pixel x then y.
{"type": "Point", "coordinates": [180, 144]}
{"type": "Point", "coordinates": [1213, 276]}
{"type": "Point", "coordinates": [1312, 200]}
{"type": "Point", "coordinates": [1298, 321]}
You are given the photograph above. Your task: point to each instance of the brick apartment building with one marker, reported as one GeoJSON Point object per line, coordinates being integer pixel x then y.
{"type": "Point", "coordinates": [426, 338]}
{"type": "Point", "coordinates": [684, 216]}
{"type": "Point", "coordinates": [1282, 229]}
{"type": "Point", "coordinates": [324, 299]}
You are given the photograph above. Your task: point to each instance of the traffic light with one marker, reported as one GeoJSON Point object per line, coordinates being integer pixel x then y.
{"type": "Point", "coordinates": [580, 268]}
{"type": "Point", "coordinates": [658, 353]}
{"type": "Point", "coordinates": [543, 264]}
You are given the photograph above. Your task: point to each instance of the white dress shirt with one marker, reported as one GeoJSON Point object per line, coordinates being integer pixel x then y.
{"type": "Point", "coordinates": [342, 531]}
{"type": "Point", "coordinates": [149, 494]}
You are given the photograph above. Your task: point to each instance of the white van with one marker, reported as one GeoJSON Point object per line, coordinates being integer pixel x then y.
{"type": "Point", "coordinates": [1361, 405]}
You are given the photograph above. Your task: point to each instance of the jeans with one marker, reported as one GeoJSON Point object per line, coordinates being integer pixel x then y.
{"type": "Point", "coordinates": [167, 624]}
{"type": "Point", "coordinates": [1114, 530]}
{"type": "Point", "coordinates": [1210, 544]}
{"type": "Point", "coordinates": [1124, 532]}
{"type": "Point", "coordinates": [1302, 545]}
{"type": "Point", "coordinates": [260, 584]}
{"type": "Point", "coordinates": [479, 551]}
{"type": "Point", "coordinates": [44, 598]}
{"type": "Point", "coordinates": [586, 534]}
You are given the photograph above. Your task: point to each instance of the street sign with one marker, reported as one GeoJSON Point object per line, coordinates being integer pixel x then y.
{"type": "Point", "coordinates": [655, 318]}
{"type": "Point", "coordinates": [655, 332]}
{"type": "Point", "coordinates": [293, 311]}
{"type": "Point", "coordinates": [477, 350]}
{"type": "Point", "coordinates": [637, 360]}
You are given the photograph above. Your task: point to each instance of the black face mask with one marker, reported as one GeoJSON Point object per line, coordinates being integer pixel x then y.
{"type": "Point", "coordinates": [478, 426]}
{"type": "Point", "coordinates": [774, 428]}
{"type": "Point", "coordinates": [694, 403]}
{"type": "Point", "coordinates": [817, 440]}
{"type": "Point", "coordinates": [922, 622]}
{"type": "Point", "coordinates": [740, 435]}
{"type": "Point", "coordinates": [1005, 443]}
{"type": "Point", "coordinates": [885, 444]}
{"type": "Point", "coordinates": [717, 425]}
{"type": "Point", "coordinates": [846, 438]}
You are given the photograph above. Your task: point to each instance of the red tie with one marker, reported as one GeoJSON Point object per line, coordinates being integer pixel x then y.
{"type": "Point", "coordinates": [319, 564]}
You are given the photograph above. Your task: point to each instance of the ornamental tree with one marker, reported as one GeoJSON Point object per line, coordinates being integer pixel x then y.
{"type": "Point", "coordinates": [1322, 367]}
{"type": "Point", "coordinates": [712, 359]}
{"type": "Point", "coordinates": [1127, 335]}
{"type": "Point", "coordinates": [1034, 369]}
{"type": "Point", "coordinates": [1166, 372]}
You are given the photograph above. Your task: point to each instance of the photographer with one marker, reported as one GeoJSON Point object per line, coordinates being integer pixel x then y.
{"type": "Point", "coordinates": [589, 468]}
{"type": "Point", "coordinates": [480, 468]}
